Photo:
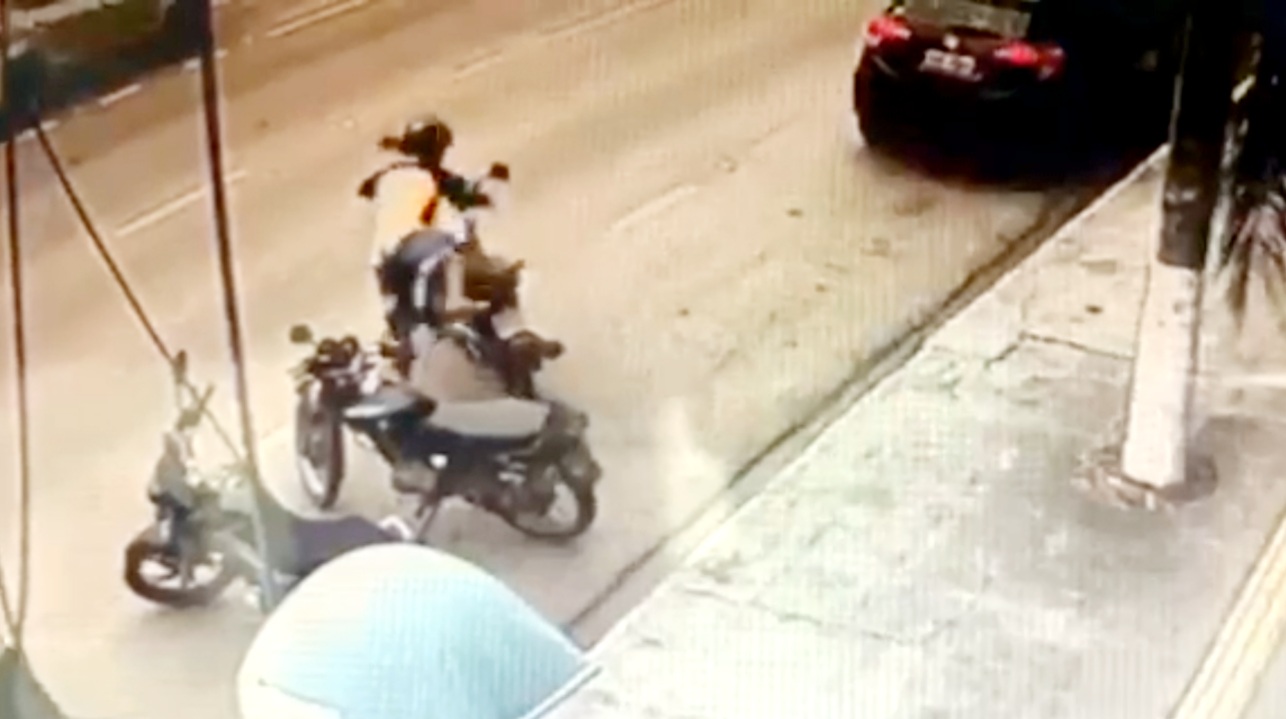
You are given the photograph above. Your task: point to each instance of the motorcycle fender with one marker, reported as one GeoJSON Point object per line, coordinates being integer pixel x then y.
{"type": "Point", "coordinates": [580, 464]}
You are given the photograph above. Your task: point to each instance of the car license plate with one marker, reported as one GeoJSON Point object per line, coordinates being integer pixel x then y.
{"type": "Point", "coordinates": [951, 64]}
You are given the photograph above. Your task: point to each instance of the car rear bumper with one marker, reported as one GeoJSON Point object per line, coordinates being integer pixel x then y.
{"type": "Point", "coordinates": [923, 105]}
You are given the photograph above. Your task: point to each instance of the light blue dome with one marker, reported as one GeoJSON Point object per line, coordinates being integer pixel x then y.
{"type": "Point", "coordinates": [402, 631]}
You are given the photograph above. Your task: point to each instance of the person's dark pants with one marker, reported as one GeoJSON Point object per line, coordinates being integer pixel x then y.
{"type": "Point", "coordinates": [417, 258]}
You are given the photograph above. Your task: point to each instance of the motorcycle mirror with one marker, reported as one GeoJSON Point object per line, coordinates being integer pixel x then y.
{"type": "Point", "coordinates": [301, 335]}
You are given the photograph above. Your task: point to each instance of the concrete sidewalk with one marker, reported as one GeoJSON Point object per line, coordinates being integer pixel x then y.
{"type": "Point", "coordinates": [931, 555]}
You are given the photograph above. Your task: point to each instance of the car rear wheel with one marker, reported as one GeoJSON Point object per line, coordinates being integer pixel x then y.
{"type": "Point", "coordinates": [871, 107]}
{"type": "Point", "coordinates": [1071, 116]}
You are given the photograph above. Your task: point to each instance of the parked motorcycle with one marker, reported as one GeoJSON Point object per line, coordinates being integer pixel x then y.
{"type": "Point", "coordinates": [202, 540]}
{"type": "Point", "coordinates": [511, 457]}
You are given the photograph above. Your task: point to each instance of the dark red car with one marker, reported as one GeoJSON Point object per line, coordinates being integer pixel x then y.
{"type": "Point", "coordinates": [1010, 70]}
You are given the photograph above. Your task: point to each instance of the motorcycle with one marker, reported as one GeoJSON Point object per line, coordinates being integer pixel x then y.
{"type": "Point", "coordinates": [201, 537]}
{"type": "Point", "coordinates": [515, 357]}
{"type": "Point", "coordinates": [508, 456]}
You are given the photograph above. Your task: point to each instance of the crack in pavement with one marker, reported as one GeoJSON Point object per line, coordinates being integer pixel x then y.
{"type": "Point", "coordinates": [827, 627]}
{"type": "Point", "coordinates": [1035, 338]}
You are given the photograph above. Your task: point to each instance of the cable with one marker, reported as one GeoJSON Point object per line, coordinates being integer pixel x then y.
{"type": "Point", "coordinates": [15, 616]}
{"type": "Point", "coordinates": [114, 269]}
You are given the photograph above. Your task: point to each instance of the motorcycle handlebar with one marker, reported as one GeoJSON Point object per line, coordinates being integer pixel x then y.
{"type": "Point", "coordinates": [357, 365]}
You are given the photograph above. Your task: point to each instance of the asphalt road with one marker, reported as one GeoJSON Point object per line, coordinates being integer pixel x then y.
{"type": "Point", "coordinates": [702, 228]}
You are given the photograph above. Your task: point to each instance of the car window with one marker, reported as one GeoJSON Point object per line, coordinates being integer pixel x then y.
{"type": "Point", "coordinates": [1008, 18]}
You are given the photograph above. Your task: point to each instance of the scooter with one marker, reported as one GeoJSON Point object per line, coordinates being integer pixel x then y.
{"type": "Point", "coordinates": [202, 537]}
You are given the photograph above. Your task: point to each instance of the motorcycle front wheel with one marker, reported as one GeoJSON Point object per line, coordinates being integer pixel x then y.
{"type": "Point", "coordinates": [570, 480]}
{"type": "Point", "coordinates": [147, 551]}
{"type": "Point", "coordinates": [319, 450]}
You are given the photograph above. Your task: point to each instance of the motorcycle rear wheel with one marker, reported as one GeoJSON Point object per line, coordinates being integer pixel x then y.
{"type": "Point", "coordinates": [577, 473]}
{"type": "Point", "coordinates": [147, 546]}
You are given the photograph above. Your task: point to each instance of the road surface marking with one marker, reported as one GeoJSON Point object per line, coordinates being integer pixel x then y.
{"type": "Point", "coordinates": [1225, 684]}
{"type": "Point", "coordinates": [121, 94]}
{"type": "Point", "coordinates": [477, 61]}
{"type": "Point", "coordinates": [584, 23]}
{"type": "Point", "coordinates": [297, 10]}
{"type": "Point", "coordinates": [27, 135]}
{"type": "Point", "coordinates": [153, 216]}
{"type": "Point", "coordinates": [315, 17]}
{"type": "Point", "coordinates": [195, 63]}
{"type": "Point", "coordinates": [653, 207]}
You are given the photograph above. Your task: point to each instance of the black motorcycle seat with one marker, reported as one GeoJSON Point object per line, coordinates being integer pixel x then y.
{"type": "Point", "coordinates": [299, 544]}
{"type": "Point", "coordinates": [506, 418]}
{"type": "Point", "coordinates": [386, 402]}
{"type": "Point", "coordinates": [313, 542]}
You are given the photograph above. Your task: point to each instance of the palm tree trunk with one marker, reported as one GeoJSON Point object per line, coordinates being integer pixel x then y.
{"type": "Point", "coordinates": [1155, 450]}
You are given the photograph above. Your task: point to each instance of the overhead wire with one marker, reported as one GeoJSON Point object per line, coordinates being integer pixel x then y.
{"type": "Point", "coordinates": [118, 276]}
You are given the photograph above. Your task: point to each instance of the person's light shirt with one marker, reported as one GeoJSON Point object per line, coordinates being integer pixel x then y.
{"type": "Point", "coordinates": [406, 199]}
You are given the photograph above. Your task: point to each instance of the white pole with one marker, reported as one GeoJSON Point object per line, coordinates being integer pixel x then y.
{"type": "Point", "coordinates": [1155, 451]}
{"type": "Point", "coordinates": [1165, 364]}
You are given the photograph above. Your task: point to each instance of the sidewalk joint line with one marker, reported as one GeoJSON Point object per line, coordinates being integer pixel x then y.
{"type": "Point", "coordinates": [1036, 338]}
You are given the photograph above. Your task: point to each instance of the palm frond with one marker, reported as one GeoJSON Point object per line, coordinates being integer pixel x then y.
{"type": "Point", "coordinates": [1254, 246]}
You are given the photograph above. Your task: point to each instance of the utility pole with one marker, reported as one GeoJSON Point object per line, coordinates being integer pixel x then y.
{"type": "Point", "coordinates": [202, 21]}
{"type": "Point", "coordinates": [1155, 453]}
{"type": "Point", "coordinates": [22, 696]}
